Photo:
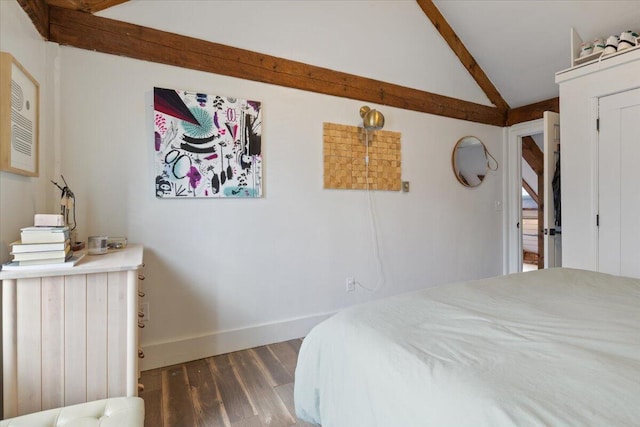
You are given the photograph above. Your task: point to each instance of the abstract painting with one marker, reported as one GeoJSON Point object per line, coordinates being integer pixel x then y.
{"type": "Point", "coordinates": [206, 145]}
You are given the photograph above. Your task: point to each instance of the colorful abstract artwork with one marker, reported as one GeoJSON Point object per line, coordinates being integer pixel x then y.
{"type": "Point", "coordinates": [206, 145]}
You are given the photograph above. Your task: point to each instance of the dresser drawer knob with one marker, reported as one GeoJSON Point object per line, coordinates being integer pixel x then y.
{"type": "Point", "coordinates": [140, 324]}
{"type": "Point", "coordinates": [141, 277]}
{"type": "Point", "coordinates": [140, 353]}
{"type": "Point", "coordinates": [140, 314]}
{"type": "Point", "coordinates": [140, 388]}
{"type": "Point", "coordinates": [141, 294]}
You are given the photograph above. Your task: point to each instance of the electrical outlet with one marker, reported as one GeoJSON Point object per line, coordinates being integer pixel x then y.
{"type": "Point", "coordinates": [351, 284]}
{"type": "Point", "coordinates": [405, 186]}
{"type": "Point", "coordinates": [144, 308]}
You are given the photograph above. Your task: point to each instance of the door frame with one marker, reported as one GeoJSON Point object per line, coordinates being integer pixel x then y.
{"type": "Point", "coordinates": [512, 242]}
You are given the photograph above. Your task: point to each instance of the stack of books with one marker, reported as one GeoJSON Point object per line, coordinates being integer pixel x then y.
{"type": "Point", "coordinates": [41, 246]}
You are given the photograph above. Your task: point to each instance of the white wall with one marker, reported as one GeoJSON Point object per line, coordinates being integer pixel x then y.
{"type": "Point", "coordinates": [228, 274]}
{"type": "Point", "coordinates": [215, 266]}
{"type": "Point", "coordinates": [20, 196]}
{"type": "Point", "coordinates": [579, 93]}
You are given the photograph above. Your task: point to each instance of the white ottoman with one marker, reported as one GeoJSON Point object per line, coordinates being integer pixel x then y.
{"type": "Point", "coordinates": [114, 412]}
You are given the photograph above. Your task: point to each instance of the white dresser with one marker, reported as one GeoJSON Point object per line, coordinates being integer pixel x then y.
{"type": "Point", "coordinates": [71, 335]}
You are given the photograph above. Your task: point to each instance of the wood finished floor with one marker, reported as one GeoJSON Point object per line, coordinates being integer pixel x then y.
{"type": "Point", "coordinates": [249, 388]}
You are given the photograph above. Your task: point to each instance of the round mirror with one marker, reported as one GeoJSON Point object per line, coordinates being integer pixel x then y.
{"type": "Point", "coordinates": [470, 161]}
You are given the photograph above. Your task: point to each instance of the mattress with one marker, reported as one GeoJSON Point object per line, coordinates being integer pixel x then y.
{"type": "Point", "coordinates": [558, 347]}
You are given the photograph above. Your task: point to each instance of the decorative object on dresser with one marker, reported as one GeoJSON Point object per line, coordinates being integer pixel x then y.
{"type": "Point", "coordinates": [70, 335]}
{"type": "Point", "coordinates": [49, 220]}
{"type": "Point", "coordinates": [68, 211]}
{"type": "Point", "coordinates": [97, 245]}
{"type": "Point", "coordinates": [117, 242]}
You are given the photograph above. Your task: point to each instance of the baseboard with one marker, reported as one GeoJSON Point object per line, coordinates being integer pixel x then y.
{"type": "Point", "coordinates": [199, 347]}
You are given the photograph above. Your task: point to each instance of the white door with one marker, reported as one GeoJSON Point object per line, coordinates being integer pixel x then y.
{"type": "Point", "coordinates": [619, 184]}
{"type": "Point", "coordinates": [552, 231]}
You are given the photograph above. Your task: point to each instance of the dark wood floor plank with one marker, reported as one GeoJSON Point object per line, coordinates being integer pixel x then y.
{"type": "Point", "coordinates": [176, 397]}
{"type": "Point", "coordinates": [234, 398]}
{"type": "Point", "coordinates": [285, 392]}
{"type": "Point", "coordinates": [152, 408]}
{"type": "Point", "coordinates": [271, 409]}
{"type": "Point", "coordinates": [207, 404]}
{"type": "Point", "coordinates": [152, 396]}
{"type": "Point", "coordinates": [286, 355]}
{"type": "Point", "coordinates": [249, 388]}
{"type": "Point", "coordinates": [275, 372]}
{"type": "Point", "coordinates": [152, 379]}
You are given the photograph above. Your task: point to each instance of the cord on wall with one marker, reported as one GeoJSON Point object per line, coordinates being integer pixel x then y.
{"type": "Point", "coordinates": [373, 222]}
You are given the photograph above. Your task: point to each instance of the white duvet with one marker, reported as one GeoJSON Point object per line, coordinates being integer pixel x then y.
{"type": "Point", "coordinates": [556, 347]}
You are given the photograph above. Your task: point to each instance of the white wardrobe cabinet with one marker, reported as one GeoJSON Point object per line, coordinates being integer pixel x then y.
{"type": "Point", "coordinates": [600, 133]}
{"type": "Point", "coordinates": [70, 335]}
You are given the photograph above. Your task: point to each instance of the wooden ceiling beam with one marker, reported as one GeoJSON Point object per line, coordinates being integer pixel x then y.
{"type": "Point", "coordinates": [38, 12]}
{"type": "Point", "coordinates": [252, 65]}
{"type": "Point", "coordinates": [456, 45]}
{"type": "Point", "coordinates": [85, 31]}
{"type": "Point", "coordinates": [532, 154]}
{"type": "Point", "coordinates": [532, 111]}
{"type": "Point", "coordinates": [530, 191]}
{"type": "Point", "coordinates": [89, 6]}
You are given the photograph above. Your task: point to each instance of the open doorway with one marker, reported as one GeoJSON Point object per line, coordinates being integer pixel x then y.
{"type": "Point", "coordinates": [531, 220]}
{"type": "Point", "coordinates": [531, 228]}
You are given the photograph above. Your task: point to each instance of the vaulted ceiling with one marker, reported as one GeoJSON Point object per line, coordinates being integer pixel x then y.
{"type": "Point", "coordinates": [510, 48]}
{"type": "Point", "coordinates": [521, 44]}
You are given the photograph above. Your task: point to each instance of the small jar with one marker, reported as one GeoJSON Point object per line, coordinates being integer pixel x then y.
{"type": "Point", "coordinates": [97, 245]}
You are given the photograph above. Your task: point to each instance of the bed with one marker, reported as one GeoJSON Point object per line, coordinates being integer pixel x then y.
{"type": "Point", "coordinates": [558, 347]}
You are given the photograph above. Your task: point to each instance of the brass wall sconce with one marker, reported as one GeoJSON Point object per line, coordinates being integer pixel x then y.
{"type": "Point", "coordinates": [371, 119]}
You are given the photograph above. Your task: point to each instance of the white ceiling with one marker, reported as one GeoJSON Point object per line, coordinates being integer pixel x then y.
{"type": "Point", "coordinates": [520, 45]}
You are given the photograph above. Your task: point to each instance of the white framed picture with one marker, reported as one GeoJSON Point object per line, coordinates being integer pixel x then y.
{"type": "Point", "coordinates": [19, 118]}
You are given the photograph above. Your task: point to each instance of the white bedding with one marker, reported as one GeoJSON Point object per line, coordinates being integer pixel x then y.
{"type": "Point", "coordinates": [556, 347]}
